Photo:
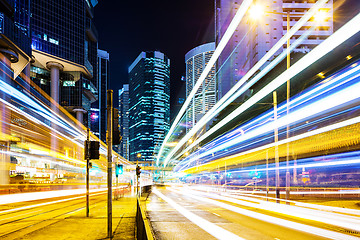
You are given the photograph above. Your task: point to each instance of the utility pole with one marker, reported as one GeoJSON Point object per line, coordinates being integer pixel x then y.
{"type": "Point", "coordinates": [109, 155]}
{"type": "Point", "coordinates": [287, 110]}
{"type": "Point", "coordinates": [267, 175]}
{"type": "Point", "coordinates": [277, 174]}
{"type": "Point", "coordinates": [87, 155]}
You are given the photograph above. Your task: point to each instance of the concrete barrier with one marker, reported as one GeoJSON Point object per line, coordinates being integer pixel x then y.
{"type": "Point", "coordinates": [143, 228]}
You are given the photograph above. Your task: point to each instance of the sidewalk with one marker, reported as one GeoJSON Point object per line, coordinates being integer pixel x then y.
{"type": "Point", "coordinates": [77, 226]}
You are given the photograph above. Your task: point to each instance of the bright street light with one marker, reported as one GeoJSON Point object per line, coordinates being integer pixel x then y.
{"type": "Point", "coordinates": [256, 11]}
{"type": "Point", "coordinates": [320, 16]}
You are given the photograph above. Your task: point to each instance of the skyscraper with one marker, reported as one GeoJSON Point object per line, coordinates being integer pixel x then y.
{"type": "Point", "coordinates": [64, 44]}
{"type": "Point", "coordinates": [103, 84]}
{"type": "Point", "coordinates": [253, 39]}
{"type": "Point", "coordinates": [124, 120]}
{"type": "Point", "coordinates": [149, 108]}
{"type": "Point", "coordinates": [205, 97]}
{"type": "Point", "coordinates": [98, 108]}
{"type": "Point", "coordinates": [15, 42]}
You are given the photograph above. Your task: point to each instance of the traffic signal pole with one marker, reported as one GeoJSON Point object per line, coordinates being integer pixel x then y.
{"type": "Point", "coordinates": [109, 155]}
{"type": "Point", "coordinates": [87, 172]}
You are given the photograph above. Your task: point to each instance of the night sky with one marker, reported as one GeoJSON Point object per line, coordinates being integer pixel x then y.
{"type": "Point", "coordinates": [173, 27]}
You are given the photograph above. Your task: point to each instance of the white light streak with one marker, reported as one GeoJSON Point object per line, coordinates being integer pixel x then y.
{"type": "Point", "coordinates": [344, 33]}
{"type": "Point", "coordinates": [231, 95]}
{"type": "Point", "coordinates": [209, 227]}
{"type": "Point", "coordinates": [223, 42]}
{"type": "Point", "coordinates": [273, 220]}
{"type": "Point", "coordinates": [47, 203]}
{"type": "Point", "coordinates": [310, 110]}
{"type": "Point", "coordinates": [23, 197]}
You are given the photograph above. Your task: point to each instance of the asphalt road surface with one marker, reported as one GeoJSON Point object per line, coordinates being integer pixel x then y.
{"type": "Point", "coordinates": [181, 213]}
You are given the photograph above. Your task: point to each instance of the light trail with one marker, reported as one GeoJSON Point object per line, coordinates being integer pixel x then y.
{"type": "Point", "coordinates": [308, 165]}
{"type": "Point", "coordinates": [301, 136]}
{"type": "Point", "coordinates": [23, 197]}
{"type": "Point", "coordinates": [273, 220]}
{"type": "Point", "coordinates": [244, 195]}
{"type": "Point", "coordinates": [232, 94]}
{"type": "Point", "coordinates": [216, 109]}
{"type": "Point", "coordinates": [40, 115]}
{"type": "Point", "coordinates": [222, 44]}
{"type": "Point", "coordinates": [344, 33]}
{"type": "Point", "coordinates": [325, 104]}
{"type": "Point", "coordinates": [335, 219]}
{"type": "Point", "coordinates": [338, 89]}
{"type": "Point", "coordinates": [47, 203]}
{"type": "Point", "coordinates": [37, 108]}
{"type": "Point", "coordinates": [209, 227]}
{"type": "Point", "coordinates": [39, 158]}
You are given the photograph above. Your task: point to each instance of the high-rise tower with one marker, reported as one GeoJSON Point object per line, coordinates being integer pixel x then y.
{"type": "Point", "coordinates": [205, 98]}
{"type": "Point", "coordinates": [149, 109]}
{"type": "Point", "coordinates": [103, 85]}
{"type": "Point", "coordinates": [98, 108]}
{"type": "Point", "coordinates": [64, 44]}
{"type": "Point", "coordinates": [124, 120]}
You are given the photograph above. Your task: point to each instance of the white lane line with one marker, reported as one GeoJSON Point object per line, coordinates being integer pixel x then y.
{"type": "Point", "coordinates": [274, 220]}
{"type": "Point", "coordinates": [216, 214]}
{"type": "Point", "coordinates": [209, 227]}
{"type": "Point", "coordinates": [334, 219]}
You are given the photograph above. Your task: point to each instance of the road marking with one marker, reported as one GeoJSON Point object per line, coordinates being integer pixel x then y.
{"type": "Point", "coordinates": [274, 220]}
{"type": "Point", "coordinates": [216, 214]}
{"type": "Point", "coordinates": [209, 227]}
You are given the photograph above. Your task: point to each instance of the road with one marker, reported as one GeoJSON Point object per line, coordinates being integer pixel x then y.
{"type": "Point", "coordinates": [182, 213]}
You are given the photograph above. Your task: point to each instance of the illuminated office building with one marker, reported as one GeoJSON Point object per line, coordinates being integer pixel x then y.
{"type": "Point", "coordinates": [149, 108]}
{"type": "Point", "coordinates": [252, 40]}
{"type": "Point", "coordinates": [103, 64]}
{"type": "Point", "coordinates": [205, 97]}
{"type": "Point", "coordinates": [98, 116]}
{"type": "Point", "coordinates": [124, 120]}
{"type": "Point", "coordinates": [64, 47]}
{"type": "Point", "coordinates": [15, 41]}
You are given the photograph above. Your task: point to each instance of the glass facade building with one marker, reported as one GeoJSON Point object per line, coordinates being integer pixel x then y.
{"type": "Point", "coordinates": [124, 120]}
{"type": "Point", "coordinates": [99, 106]}
{"type": "Point", "coordinates": [149, 108]}
{"type": "Point", "coordinates": [15, 41]}
{"type": "Point", "coordinates": [205, 97]}
{"type": "Point", "coordinates": [64, 37]}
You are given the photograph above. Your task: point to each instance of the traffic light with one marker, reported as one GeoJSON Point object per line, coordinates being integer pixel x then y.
{"type": "Point", "coordinates": [116, 138]}
{"type": "Point", "coordinates": [138, 170]}
{"type": "Point", "coordinates": [93, 152]}
{"type": "Point", "coordinates": [119, 169]}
